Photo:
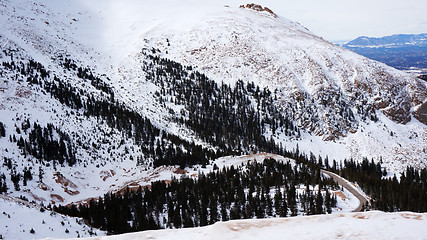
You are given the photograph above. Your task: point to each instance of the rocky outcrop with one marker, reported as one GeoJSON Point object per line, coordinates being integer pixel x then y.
{"type": "Point", "coordinates": [258, 8]}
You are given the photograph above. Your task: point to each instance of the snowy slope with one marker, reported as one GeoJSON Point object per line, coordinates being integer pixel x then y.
{"type": "Point", "coordinates": [235, 43]}
{"type": "Point", "coordinates": [230, 43]}
{"type": "Point", "coordinates": [365, 225]}
{"type": "Point", "coordinates": [227, 44]}
{"type": "Point", "coordinates": [19, 217]}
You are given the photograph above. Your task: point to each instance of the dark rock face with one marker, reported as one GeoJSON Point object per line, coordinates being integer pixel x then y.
{"type": "Point", "coordinates": [421, 113]}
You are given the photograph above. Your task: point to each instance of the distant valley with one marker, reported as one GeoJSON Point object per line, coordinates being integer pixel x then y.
{"type": "Point", "coordinates": [401, 51]}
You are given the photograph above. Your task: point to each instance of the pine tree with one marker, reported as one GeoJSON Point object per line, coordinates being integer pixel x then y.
{"type": "Point", "coordinates": [328, 202]}
{"type": "Point", "coordinates": [2, 130]}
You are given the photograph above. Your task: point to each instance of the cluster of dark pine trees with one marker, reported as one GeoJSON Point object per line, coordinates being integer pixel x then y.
{"type": "Point", "coordinates": [3, 185]}
{"type": "Point", "coordinates": [43, 144]}
{"type": "Point", "coordinates": [409, 193]}
{"type": "Point", "coordinates": [15, 176]}
{"type": "Point", "coordinates": [390, 194]}
{"type": "Point", "coordinates": [228, 117]}
{"type": "Point", "coordinates": [251, 190]}
{"type": "Point", "coordinates": [2, 130]}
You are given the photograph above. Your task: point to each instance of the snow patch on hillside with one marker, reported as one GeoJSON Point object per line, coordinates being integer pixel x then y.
{"type": "Point", "coordinates": [18, 218]}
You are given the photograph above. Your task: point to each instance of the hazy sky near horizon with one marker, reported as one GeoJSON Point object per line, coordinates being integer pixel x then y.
{"type": "Point", "coordinates": [345, 20]}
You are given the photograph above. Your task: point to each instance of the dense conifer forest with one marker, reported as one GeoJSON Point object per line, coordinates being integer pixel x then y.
{"type": "Point", "coordinates": [251, 190]}
{"type": "Point", "coordinates": [229, 117]}
{"type": "Point", "coordinates": [390, 194]}
{"type": "Point", "coordinates": [43, 146]}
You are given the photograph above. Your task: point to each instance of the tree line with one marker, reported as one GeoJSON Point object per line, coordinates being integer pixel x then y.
{"type": "Point", "coordinates": [43, 144]}
{"type": "Point", "coordinates": [390, 194]}
{"type": "Point", "coordinates": [235, 118]}
{"type": "Point", "coordinates": [250, 190]}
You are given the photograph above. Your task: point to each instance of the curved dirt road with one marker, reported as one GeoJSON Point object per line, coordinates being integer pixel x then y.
{"type": "Point", "coordinates": [342, 182]}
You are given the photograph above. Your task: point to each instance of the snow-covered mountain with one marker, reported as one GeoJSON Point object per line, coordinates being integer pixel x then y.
{"type": "Point", "coordinates": [92, 78]}
{"type": "Point", "coordinates": [276, 53]}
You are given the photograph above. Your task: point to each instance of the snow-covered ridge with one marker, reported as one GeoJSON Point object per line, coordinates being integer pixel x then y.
{"type": "Point", "coordinates": [364, 225]}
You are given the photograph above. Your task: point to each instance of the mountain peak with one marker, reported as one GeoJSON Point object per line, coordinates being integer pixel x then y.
{"type": "Point", "coordinates": [258, 8]}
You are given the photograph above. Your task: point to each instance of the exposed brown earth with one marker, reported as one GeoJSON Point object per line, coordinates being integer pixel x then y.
{"type": "Point", "coordinates": [56, 198]}
{"type": "Point", "coordinates": [66, 184]}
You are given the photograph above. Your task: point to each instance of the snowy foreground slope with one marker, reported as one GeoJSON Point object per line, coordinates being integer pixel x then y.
{"type": "Point", "coordinates": [19, 217]}
{"type": "Point", "coordinates": [365, 225]}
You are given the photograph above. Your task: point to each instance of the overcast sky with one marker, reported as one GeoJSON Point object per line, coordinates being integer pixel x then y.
{"type": "Point", "coordinates": [345, 20]}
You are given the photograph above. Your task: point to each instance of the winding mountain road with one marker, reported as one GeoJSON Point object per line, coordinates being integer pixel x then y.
{"type": "Point", "coordinates": [341, 181]}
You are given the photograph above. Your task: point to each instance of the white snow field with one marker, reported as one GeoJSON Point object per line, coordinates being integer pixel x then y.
{"type": "Point", "coordinates": [365, 225]}
{"type": "Point", "coordinates": [18, 218]}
